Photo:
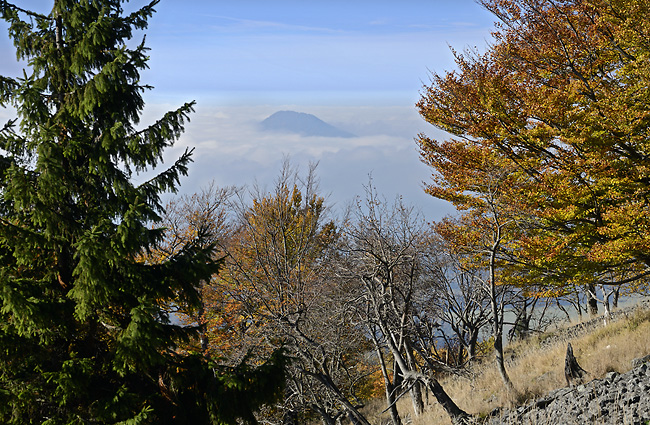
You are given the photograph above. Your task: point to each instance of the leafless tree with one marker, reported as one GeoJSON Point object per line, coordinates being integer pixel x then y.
{"type": "Point", "coordinates": [383, 249]}
{"type": "Point", "coordinates": [458, 302]}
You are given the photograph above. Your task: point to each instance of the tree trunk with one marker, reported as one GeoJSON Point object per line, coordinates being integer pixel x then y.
{"type": "Point", "coordinates": [416, 390]}
{"type": "Point", "coordinates": [457, 415]}
{"type": "Point", "coordinates": [460, 356]}
{"type": "Point", "coordinates": [501, 366]}
{"type": "Point", "coordinates": [572, 370]}
{"type": "Point", "coordinates": [578, 305]}
{"type": "Point", "coordinates": [351, 411]}
{"type": "Point", "coordinates": [389, 388]}
{"type": "Point", "coordinates": [592, 300]}
{"type": "Point", "coordinates": [617, 292]}
{"type": "Point", "coordinates": [354, 415]}
{"type": "Point", "coordinates": [608, 313]}
{"type": "Point", "coordinates": [416, 398]}
{"type": "Point", "coordinates": [392, 403]}
{"type": "Point", "coordinates": [521, 327]}
{"type": "Point", "coordinates": [497, 325]}
{"type": "Point", "coordinates": [471, 346]}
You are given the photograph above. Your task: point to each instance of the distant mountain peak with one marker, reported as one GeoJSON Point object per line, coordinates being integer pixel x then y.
{"type": "Point", "coordinates": [301, 123]}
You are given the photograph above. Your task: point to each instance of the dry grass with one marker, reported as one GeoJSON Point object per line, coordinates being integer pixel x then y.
{"type": "Point", "coordinates": [536, 371]}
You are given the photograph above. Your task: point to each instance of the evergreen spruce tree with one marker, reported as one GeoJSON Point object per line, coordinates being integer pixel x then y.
{"type": "Point", "coordinates": [84, 336]}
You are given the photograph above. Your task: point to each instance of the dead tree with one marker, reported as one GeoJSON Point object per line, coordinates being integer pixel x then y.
{"type": "Point", "coordinates": [572, 370]}
{"type": "Point", "coordinates": [382, 254]}
{"type": "Point", "coordinates": [456, 414]}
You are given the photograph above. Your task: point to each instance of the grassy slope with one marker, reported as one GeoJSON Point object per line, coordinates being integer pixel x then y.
{"type": "Point", "coordinates": [537, 367]}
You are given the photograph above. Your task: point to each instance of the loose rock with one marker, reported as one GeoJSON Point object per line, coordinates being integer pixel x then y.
{"type": "Point", "coordinates": [616, 399]}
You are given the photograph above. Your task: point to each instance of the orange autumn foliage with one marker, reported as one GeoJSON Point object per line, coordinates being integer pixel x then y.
{"type": "Point", "coordinates": [561, 97]}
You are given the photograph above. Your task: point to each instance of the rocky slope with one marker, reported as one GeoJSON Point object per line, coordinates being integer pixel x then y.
{"type": "Point", "coordinates": [616, 399]}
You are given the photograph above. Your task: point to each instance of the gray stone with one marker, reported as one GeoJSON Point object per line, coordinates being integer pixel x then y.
{"type": "Point", "coordinates": [641, 361]}
{"type": "Point", "coordinates": [617, 399]}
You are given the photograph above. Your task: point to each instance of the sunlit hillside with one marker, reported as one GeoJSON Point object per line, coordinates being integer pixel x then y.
{"type": "Point", "coordinates": [536, 367]}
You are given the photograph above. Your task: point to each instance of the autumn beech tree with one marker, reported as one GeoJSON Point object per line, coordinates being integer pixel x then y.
{"type": "Point", "coordinates": [281, 293]}
{"type": "Point", "coordinates": [561, 95]}
{"type": "Point", "coordinates": [84, 330]}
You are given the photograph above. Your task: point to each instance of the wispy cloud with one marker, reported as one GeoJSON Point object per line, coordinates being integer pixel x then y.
{"type": "Point", "coordinates": [253, 25]}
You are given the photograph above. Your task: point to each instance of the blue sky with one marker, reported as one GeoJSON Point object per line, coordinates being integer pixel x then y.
{"type": "Point", "coordinates": [278, 50]}
{"type": "Point", "coordinates": [359, 65]}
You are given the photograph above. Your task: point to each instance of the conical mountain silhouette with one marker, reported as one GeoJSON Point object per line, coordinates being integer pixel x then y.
{"type": "Point", "coordinates": [301, 123]}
